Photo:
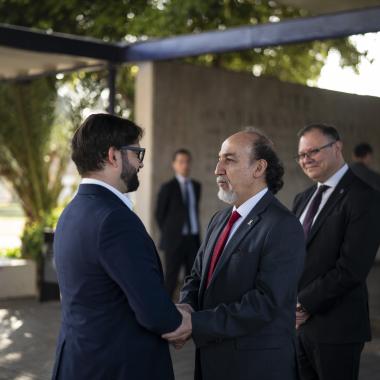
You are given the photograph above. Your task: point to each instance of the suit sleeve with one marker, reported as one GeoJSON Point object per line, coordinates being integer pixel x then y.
{"type": "Point", "coordinates": [129, 257]}
{"type": "Point", "coordinates": [358, 249]}
{"type": "Point", "coordinates": [275, 286]}
{"type": "Point", "coordinates": [162, 204]}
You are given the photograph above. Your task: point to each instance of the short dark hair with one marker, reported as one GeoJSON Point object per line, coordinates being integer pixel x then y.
{"type": "Point", "coordinates": [363, 149]}
{"type": "Point", "coordinates": [325, 129]}
{"type": "Point", "coordinates": [263, 149]}
{"type": "Point", "coordinates": [181, 151]}
{"type": "Point", "coordinates": [94, 137]}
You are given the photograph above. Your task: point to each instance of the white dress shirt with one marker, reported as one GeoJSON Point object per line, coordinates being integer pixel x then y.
{"type": "Point", "coordinates": [183, 182]}
{"type": "Point", "coordinates": [332, 182]}
{"type": "Point", "coordinates": [244, 209]}
{"type": "Point", "coordinates": [123, 197]}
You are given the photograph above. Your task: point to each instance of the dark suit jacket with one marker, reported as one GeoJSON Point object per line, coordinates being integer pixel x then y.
{"type": "Point", "coordinates": [114, 306]}
{"type": "Point", "coordinates": [171, 212]}
{"type": "Point", "coordinates": [244, 322]}
{"type": "Point", "coordinates": [340, 251]}
{"type": "Point", "coordinates": [366, 174]}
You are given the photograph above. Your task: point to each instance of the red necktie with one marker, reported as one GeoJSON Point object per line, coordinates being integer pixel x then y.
{"type": "Point", "coordinates": [219, 246]}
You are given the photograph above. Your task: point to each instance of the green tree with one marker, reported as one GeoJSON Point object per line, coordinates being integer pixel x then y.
{"type": "Point", "coordinates": [34, 150]}
{"type": "Point", "coordinates": [133, 20]}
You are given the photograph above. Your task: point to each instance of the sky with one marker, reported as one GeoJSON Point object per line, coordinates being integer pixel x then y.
{"type": "Point", "coordinates": [333, 77]}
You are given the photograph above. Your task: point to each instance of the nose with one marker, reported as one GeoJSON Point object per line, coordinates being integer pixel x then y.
{"type": "Point", "coordinates": [219, 169]}
{"type": "Point", "coordinates": [306, 160]}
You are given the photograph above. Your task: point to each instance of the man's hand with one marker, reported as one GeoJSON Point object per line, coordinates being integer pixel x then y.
{"type": "Point", "coordinates": [179, 337]}
{"type": "Point", "coordinates": [301, 315]}
{"type": "Point", "coordinates": [184, 307]}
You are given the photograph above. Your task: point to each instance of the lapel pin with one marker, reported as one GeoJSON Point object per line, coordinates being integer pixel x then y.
{"type": "Point", "coordinates": [250, 222]}
{"type": "Point", "coordinates": [341, 191]}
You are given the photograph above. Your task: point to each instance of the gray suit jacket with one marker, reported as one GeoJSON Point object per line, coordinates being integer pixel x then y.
{"type": "Point", "coordinates": [244, 321]}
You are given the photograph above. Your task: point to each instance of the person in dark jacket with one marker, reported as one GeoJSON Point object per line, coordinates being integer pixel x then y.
{"type": "Point", "coordinates": [114, 304]}
{"type": "Point", "coordinates": [363, 159]}
{"type": "Point", "coordinates": [339, 214]}
{"type": "Point", "coordinates": [177, 216]}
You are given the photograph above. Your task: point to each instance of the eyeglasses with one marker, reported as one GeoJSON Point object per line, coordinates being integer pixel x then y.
{"type": "Point", "coordinates": [312, 153]}
{"type": "Point", "coordinates": [140, 152]}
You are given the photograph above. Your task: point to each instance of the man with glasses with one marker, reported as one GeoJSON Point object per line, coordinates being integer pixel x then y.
{"type": "Point", "coordinates": [114, 305]}
{"type": "Point", "coordinates": [339, 215]}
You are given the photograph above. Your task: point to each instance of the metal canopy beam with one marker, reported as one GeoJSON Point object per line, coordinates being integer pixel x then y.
{"type": "Point", "coordinates": [292, 31]}
{"type": "Point", "coordinates": [58, 43]}
{"type": "Point", "coordinates": [47, 48]}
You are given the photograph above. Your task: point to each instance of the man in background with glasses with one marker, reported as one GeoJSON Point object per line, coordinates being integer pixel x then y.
{"type": "Point", "coordinates": [114, 305]}
{"type": "Point", "coordinates": [339, 215]}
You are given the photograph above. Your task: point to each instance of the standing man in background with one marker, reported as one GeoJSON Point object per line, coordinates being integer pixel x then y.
{"type": "Point", "coordinates": [339, 215]}
{"type": "Point", "coordinates": [177, 216]}
{"type": "Point", "coordinates": [363, 160]}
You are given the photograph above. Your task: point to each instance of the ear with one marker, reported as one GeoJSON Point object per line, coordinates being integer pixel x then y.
{"type": "Point", "coordinates": [113, 157]}
{"type": "Point", "coordinates": [339, 146]}
{"type": "Point", "coordinates": [260, 168]}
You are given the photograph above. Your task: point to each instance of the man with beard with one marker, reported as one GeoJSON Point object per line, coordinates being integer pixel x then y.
{"type": "Point", "coordinates": [243, 286]}
{"type": "Point", "coordinates": [114, 305]}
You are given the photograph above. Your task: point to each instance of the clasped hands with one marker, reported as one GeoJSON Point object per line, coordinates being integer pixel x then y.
{"type": "Point", "coordinates": [179, 336]}
{"type": "Point", "coordinates": [301, 316]}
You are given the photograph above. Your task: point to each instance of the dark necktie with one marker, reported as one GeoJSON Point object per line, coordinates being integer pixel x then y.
{"type": "Point", "coordinates": [219, 246]}
{"type": "Point", "coordinates": [313, 209]}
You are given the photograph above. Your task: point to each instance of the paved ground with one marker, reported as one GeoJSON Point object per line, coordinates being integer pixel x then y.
{"type": "Point", "coordinates": [28, 333]}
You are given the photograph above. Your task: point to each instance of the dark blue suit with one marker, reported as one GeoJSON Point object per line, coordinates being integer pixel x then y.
{"type": "Point", "coordinates": [114, 306]}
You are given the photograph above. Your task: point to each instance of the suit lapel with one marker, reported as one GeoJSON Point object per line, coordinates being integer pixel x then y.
{"type": "Point", "coordinates": [211, 244]}
{"type": "Point", "coordinates": [177, 190]}
{"type": "Point", "coordinates": [246, 226]}
{"type": "Point", "coordinates": [305, 198]}
{"type": "Point", "coordinates": [339, 192]}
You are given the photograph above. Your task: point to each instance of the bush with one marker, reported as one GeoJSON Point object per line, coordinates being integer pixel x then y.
{"type": "Point", "coordinates": [32, 238]}
{"type": "Point", "coordinates": [11, 253]}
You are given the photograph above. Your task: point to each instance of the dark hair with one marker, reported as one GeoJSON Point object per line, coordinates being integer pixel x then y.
{"type": "Point", "coordinates": [363, 149]}
{"type": "Point", "coordinates": [181, 151]}
{"type": "Point", "coordinates": [96, 135]}
{"type": "Point", "coordinates": [327, 130]}
{"type": "Point", "coordinates": [262, 149]}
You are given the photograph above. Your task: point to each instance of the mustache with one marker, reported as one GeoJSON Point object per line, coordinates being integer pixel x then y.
{"type": "Point", "coordinates": [221, 179]}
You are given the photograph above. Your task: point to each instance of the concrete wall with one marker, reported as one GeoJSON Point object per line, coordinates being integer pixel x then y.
{"type": "Point", "coordinates": [181, 105]}
{"type": "Point", "coordinates": [17, 278]}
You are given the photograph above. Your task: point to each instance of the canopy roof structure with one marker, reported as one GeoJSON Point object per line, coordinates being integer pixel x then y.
{"type": "Point", "coordinates": [27, 53]}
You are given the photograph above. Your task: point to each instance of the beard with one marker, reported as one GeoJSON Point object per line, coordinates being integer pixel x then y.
{"type": "Point", "coordinates": [227, 196]}
{"type": "Point", "coordinates": [129, 175]}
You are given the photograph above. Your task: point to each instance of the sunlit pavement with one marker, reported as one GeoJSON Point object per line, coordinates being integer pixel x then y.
{"type": "Point", "coordinates": [28, 332]}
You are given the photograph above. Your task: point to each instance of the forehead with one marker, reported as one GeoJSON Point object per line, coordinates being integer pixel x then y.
{"type": "Point", "coordinates": [312, 139]}
{"type": "Point", "coordinates": [182, 157]}
{"type": "Point", "coordinates": [235, 146]}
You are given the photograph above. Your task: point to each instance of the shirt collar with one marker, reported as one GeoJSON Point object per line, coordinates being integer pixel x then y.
{"type": "Point", "coordinates": [336, 177]}
{"type": "Point", "coordinates": [245, 208]}
{"type": "Point", "coordinates": [123, 197]}
{"type": "Point", "coordinates": [181, 179]}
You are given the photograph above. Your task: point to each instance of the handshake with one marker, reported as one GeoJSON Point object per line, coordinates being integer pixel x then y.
{"type": "Point", "coordinates": [179, 336]}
